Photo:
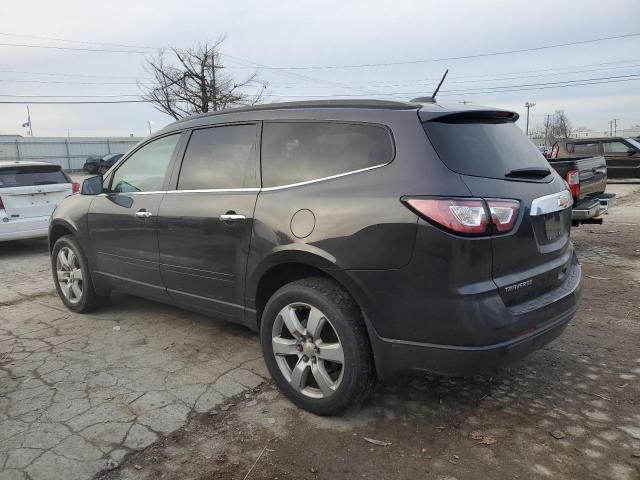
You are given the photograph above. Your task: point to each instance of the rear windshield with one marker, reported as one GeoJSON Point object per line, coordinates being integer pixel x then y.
{"type": "Point", "coordinates": [26, 176]}
{"type": "Point", "coordinates": [483, 147]}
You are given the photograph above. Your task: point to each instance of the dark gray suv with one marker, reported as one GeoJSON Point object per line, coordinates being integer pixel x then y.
{"type": "Point", "coordinates": [360, 238]}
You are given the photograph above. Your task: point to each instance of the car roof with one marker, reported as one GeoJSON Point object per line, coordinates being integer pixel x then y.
{"type": "Point", "coordinates": [319, 109]}
{"type": "Point", "coordinates": [592, 139]}
{"type": "Point", "coordinates": [24, 163]}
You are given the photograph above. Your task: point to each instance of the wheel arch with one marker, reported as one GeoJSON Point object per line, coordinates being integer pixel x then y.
{"type": "Point", "coordinates": [60, 228]}
{"type": "Point", "coordinates": [287, 267]}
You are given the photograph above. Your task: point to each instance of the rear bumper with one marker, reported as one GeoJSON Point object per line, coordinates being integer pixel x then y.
{"type": "Point", "coordinates": [533, 323]}
{"type": "Point", "coordinates": [592, 207]}
{"type": "Point", "coordinates": [23, 228]}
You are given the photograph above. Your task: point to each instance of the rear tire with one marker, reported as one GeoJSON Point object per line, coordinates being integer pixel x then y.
{"type": "Point", "coordinates": [72, 277]}
{"type": "Point", "coordinates": [325, 365]}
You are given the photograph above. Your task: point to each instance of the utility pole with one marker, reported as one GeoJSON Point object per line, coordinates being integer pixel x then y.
{"type": "Point", "coordinates": [528, 105]}
{"type": "Point", "coordinates": [615, 126]}
{"type": "Point", "coordinates": [29, 120]}
{"type": "Point", "coordinates": [611, 128]}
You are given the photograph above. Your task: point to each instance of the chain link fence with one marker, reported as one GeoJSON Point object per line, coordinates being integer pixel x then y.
{"type": "Point", "coordinates": [70, 153]}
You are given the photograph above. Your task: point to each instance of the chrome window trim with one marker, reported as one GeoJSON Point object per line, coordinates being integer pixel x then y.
{"type": "Point", "coordinates": [307, 182]}
{"type": "Point", "coordinates": [252, 189]}
{"type": "Point", "coordinates": [551, 203]}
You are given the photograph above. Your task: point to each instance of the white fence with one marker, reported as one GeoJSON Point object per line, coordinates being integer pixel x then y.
{"type": "Point", "coordinates": [70, 153]}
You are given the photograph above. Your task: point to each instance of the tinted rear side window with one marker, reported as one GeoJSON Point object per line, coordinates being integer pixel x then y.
{"type": "Point", "coordinates": [31, 175]}
{"type": "Point", "coordinates": [299, 152]}
{"type": "Point", "coordinates": [220, 158]}
{"type": "Point", "coordinates": [483, 147]}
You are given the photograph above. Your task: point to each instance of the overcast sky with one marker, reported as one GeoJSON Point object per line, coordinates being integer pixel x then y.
{"type": "Point", "coordinates": [320, 34]}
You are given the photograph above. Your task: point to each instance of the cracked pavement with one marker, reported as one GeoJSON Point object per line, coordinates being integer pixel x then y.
{"type": "Point", "coordinates": [78, 390]}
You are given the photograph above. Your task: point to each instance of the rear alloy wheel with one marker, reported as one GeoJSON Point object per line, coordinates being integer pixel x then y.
{"type": "Point", "coordinates": [72, 277]}
{"type": "Point", "coordinates": [316, 347]}
{"type": "Point", "coordinates": [308, 350]}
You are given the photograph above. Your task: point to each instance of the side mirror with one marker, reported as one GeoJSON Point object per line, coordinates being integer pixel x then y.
{"type": "Point", "coordinates": [92, 186]}
{"type": "Point", "coordinates": [630, 152]}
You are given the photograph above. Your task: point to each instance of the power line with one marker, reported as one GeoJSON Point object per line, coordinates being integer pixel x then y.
{"type": "Point", "coordinates": [510, 88]}
{"type": "Point", "coordinates": [54, 74]}
{"type": "Point", "coordinates": [507, 88]}
{"type": "Point", "coordinates": [461, 57]}
{"type": "Point", "coordinates": [54, 82]}
{"type": "Point", "coordinates": [4, 34]}
{"type": "Point", "coordinates": [80, 49]}
{"type": "Point", "coordinates": [63, 102]}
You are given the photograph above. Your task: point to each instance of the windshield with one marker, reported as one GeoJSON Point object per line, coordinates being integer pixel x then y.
{"type": "Point", "coordinates": [31, 175]}
{"type": "Point", "coordinates": [485, 147]}
{"type": "Point", "coordinates": [633, 142]}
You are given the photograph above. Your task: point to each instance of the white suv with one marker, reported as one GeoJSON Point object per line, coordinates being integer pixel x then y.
{"type": "Point", "coordinates": [29, 192]}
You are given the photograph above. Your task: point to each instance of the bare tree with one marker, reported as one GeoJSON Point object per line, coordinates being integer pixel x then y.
{"type": "Point", "coordinates": [559, 125]}
{"type": "Point", "coordinates": [193, 81]}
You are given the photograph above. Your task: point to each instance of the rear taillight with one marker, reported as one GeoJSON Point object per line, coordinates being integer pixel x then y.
{"type": "Point", "coordinates": [75, 187]}
{"type": "Point", "coordinates": [467, 216]}
{"type": "Point", "coordinates": [504, 214]}
{"type": "Point", "coordinates": [1, 204]}
{"type": "Point", "coordinates": [573, 179]}
{"type": "Point", "coordinates": [461, 216]}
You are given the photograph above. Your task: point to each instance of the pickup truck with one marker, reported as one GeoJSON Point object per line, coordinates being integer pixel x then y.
{"type": "Point", "coordinates": [622, 154]}
{"type": "Point", "coordinates": [587, 180]}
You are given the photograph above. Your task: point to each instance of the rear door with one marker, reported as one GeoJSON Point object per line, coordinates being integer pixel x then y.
{"type": "Point", "coordinates": [205, 224]}
{"type": "Point", "coordinates": [123, 225]}
{"type": "Point", "coordinates": [623, 158]}
{"type": "Point", "coordinates": [496, 160]}
{"type": "Point", "coordinates": [29, 191]}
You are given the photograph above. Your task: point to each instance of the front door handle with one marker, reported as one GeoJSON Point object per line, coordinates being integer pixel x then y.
{"type": "Point", "coordinates": [232, 217]}
{"type": "Point", "coordinates": [143, 214]}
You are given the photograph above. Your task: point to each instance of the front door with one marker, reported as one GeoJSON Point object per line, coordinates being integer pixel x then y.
{"type": "Point", "coordinates": [623, 159]}
{"type": "Point", "coordinates": [204, 225]}
{"type": "Point", "coordinates": [123, 221]}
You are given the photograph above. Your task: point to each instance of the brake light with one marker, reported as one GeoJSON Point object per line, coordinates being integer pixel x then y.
{"type": "Point", "coordinates": [467, 217]}
{"type": "Point", "coordinates": [1, 204]}
{"type": "Point", "coordinates": [75, 187]}
{"type": "Point", "coordinates": [504, 214]}
{"type": "Point", "coordinates": [573, 179]}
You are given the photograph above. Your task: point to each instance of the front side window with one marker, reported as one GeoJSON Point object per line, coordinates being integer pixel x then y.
{"type": "Point", "coordinates": [146, 169]}
{"type": "Point", "coordinates": [220, 158]}
{"type": "Point", "coordinates": [615, 147]}
{"type": "Point", "coordinates": [299, 152]}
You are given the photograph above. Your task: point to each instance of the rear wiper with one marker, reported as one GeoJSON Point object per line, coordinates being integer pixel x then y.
{"type": "Point", "coordinates": [538, 172]}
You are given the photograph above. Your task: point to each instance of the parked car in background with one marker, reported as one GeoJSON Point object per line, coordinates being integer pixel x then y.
{"type": "Point", "coordinates": [544, 150]}
{"type": "Point", "coordinates": [622, 154]}
{"type": "Point", "coordinates": [100, 164]}
{"type": "Point", "coordinates": [361, 238]}
{"type": "Point", "coordinates": [29, 192]}
{"type": "Point", "coordinates": [587, 180]}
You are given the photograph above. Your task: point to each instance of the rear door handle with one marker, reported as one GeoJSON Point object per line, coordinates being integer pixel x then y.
{"type": "Point", "coordinates": [143, 214]}
{"type": "Point", "coordinates": [232, 217]}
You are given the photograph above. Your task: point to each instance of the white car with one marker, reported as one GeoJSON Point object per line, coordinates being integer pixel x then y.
{"type": "Point", "coordinates": [29, 192]}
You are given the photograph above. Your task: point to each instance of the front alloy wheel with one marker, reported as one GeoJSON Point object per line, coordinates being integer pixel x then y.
{"type": "Point", "coordinates": [70, 276]}
{"type": "Point", "coordinates": [307, 350]}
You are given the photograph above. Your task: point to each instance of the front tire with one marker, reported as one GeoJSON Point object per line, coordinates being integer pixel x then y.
{"type": "Point", "coordinates": [316, 347]}
{"type": "Point", "coordinates": [72, 277]}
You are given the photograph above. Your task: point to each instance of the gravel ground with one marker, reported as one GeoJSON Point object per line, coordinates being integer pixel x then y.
{"type": "Point", "coordinates": [176, 395]}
